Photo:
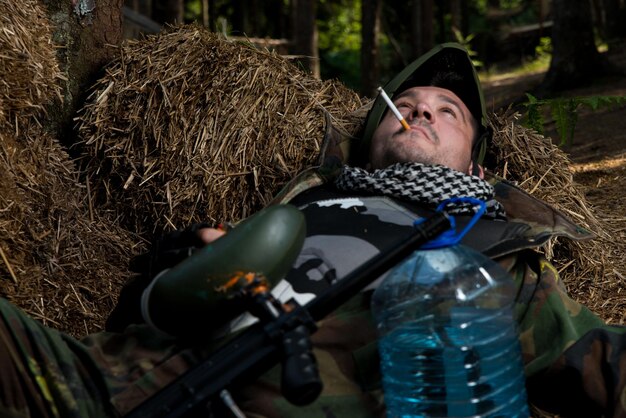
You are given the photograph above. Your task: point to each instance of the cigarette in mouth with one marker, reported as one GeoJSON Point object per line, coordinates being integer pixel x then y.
{"type": "Point", "coordinates": [394, 109]}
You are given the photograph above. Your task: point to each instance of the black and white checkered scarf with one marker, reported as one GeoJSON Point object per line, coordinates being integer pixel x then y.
{"type": "Point", "coordinates": [421, 183]}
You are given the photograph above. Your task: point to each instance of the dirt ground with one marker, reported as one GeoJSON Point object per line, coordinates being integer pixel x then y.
{"type": "Point", "coordinates": [598, 163]}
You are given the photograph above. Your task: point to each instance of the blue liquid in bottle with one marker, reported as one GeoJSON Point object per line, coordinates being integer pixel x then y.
{"type": "Point", "coordinates": [448, 341]}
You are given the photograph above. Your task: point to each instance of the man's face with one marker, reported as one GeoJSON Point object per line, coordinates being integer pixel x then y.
{"type": "Point", "coordinates": [442, 131]}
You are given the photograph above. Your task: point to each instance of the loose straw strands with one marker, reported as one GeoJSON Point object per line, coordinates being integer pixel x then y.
{"type": "Point", "coordinates": [57, 264]}
{"type": "Point", "coordinates": [29, 72]}
{"type": "Point", "coordinates": [203, 128]}
{"type": "Point", "coordinates": [588, 268]}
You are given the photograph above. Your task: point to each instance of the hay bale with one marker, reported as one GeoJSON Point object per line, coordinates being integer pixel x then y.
{"type": "Point", "coordinates": [60, 262]}
{"type": "Point", "coordinates": [187, 126]}
{"type": "Point", "coordinates": [29, 71]}
{"type": "Point", "coordinates": [590, 269]}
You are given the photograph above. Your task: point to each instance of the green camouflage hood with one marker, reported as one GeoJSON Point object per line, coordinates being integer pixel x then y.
{"type": "Point", "coordinates": [447, 66]}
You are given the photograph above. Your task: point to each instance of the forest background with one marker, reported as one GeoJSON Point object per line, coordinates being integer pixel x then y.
{"type": "Point", "coordinates": [360, 43]}
{"type": "Point", "coordinates": [363, 42]}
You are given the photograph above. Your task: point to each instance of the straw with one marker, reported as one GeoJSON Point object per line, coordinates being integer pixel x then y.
{"type": "Point", "coordinates": [187, 126]}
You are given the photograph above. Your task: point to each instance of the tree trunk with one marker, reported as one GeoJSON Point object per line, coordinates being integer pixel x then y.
{"type": "Point", "coordinates": [275, 15]}
{"type": "Point", "coordinates": [85, 36]}
{"type": "Point", "coordinates": [205, 13]}
{"type": "Point", "coordinates": [370, 27]}
{"type": "Point", "coordinates": [141, 6]}
{"type": "Point", "coordinates": [240, 17]}
{"type": "Point", "coordinates": [614, 22]}
{"type": "Point", "coordinates": [415, 26]}
{"type": "Point", "coordinates": [542, 12]}
{"type": "Point", "coordinates": [442, 32]}
{"type": "Point", "coordinates": [254, 20]}
{"type": "Point", "coordinates": [597, 16]}
{"type": "Point", "coordinates": [575, 58]}
{"type": "Point", "coordinates": [304, 35]}
{"type": "Point", "coordinates": [168, 11]}
{"type": "Point", "coordinates": [465, 16]}
{"type": "Point", "coordinates": [421, 26]}
{"type": "Point", "coordinates": [427, 25]}
{"type": "Point", "coordinates": [212, 16]}
{"type": "Point", "coordinates": [456, 15]}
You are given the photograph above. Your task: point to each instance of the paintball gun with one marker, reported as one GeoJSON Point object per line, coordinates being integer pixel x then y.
{"type": "Point", "coordinates": [280, 336]}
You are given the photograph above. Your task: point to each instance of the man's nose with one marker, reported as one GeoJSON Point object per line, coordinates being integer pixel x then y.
{"type": "Point", "coordinates": [423, 111]}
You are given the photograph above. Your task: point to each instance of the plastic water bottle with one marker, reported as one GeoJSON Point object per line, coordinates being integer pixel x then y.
{"type": "Point", "coordinates": [447, 337]}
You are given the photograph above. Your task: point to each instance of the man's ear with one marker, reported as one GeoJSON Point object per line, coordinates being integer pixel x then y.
{"type": "Point", "coordinates": [476, 169]}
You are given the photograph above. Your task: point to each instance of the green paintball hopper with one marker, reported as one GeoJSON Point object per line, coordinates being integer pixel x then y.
{"type": "Point", "coordinates": [199, 295]}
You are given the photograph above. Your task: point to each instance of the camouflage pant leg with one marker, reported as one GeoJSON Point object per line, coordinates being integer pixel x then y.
{"type": "Point", "coordinates": [137, 363]}
{"type": "Point", "coordinates": [575, 364]}
{"type": "Point", "coordinates": [43, 372]}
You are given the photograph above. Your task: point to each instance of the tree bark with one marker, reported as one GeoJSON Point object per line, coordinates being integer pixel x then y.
{"type": "Point", "coordinates": [415, 26]}
{"type": "Point", "coordinates": [205, 13]}
{"type": "Point", "coordinates": [370, 27]}
{"type": "Point", "coordinates": [575, 58]}
{"type": "Point", "coordinates": [240, 17]}
{"type": "Point", "coordinates": [253, 20]}
{"type": "Point", "coordinates": [465, 17]}
{"type": "Point", "coordinates": [441, 22]}
{"type": "Point", "coordinates": [421, 27]}
{"type": "Point", "coordinates": [86, 33]}
{"type": "Point", "coordinates": [304, 32]}
{"type": "Point", "coordinates": [274, 11]}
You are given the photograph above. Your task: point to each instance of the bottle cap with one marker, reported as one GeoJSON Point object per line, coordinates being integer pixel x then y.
{"type": "Point", "coordinates": [451, 236]}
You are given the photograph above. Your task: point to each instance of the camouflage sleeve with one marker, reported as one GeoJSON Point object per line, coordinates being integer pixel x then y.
{"type": "Point", "coordinates": [45, 374]}
{"type": "Point", "coordinates": [575, 364]}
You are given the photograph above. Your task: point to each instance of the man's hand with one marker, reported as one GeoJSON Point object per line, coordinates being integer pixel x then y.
{"type": "Point", "coordinates": [165, 253]}
{"type": "Point", "coordinates": [208, 235]}
{"type": "Point", "coordinates": [176, 246]}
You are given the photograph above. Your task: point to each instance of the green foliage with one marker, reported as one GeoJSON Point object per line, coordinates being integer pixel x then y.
{"type": "Point", "coordinates": [544, 49]}
{"type": "Point", "coordinates": [339, 25]}
{"type": "Point", "coordinates": [565, 115]}
{"type": "Point", "coordinates": [534, 117]}
{"type": "Point", "coordinates": [511, 4]}
{"type": "Point", "coordinates": [339, 40]}
{"type": "Point", "coordinates": [193, 10]}
{"type": "Point", "coordinates": [481, 6]}
{"type": "Point", "coordinates": [342, 65]}
{"type": "Point", "coordinates": [466, 42]}
{"type": "Point", "coordinates": [564, 111]}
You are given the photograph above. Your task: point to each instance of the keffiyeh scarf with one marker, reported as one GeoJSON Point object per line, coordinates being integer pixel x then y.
{"type": "Point", "coordinates": [421, 183]}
